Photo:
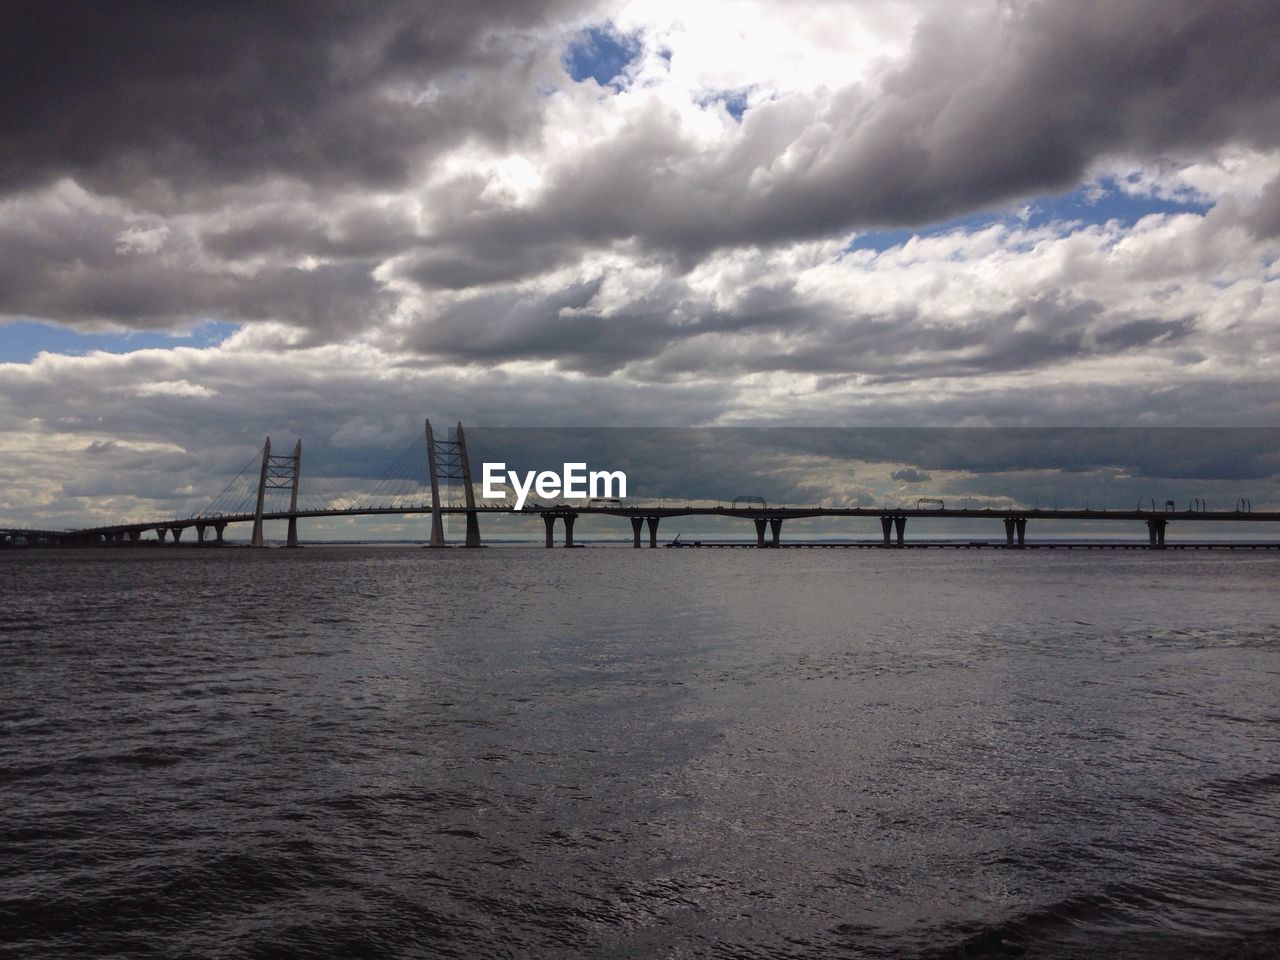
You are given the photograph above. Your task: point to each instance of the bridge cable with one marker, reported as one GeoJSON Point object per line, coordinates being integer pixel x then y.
{"type": "Point", "coordinates": [216, 505]}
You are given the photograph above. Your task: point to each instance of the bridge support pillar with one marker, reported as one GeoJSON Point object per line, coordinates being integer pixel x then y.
{"type": "Point", "coordinates": [1008, 531]}
{"type": "Point", "coordinates": [1155, 530]}
{"type": "Point", "coordinates": [292, 538]}
{"type": "Point", "coordinates": [255, 538]}
{"type": "Point", "coordinates": [761, 524]}
{"type": "Point", "coordinates": [569, 520]}
{"type": "Point", "coordinates": [653, 531]}
{"type": "Point", "coordinates": [437, 518]}
{"type": "Point", "coordinates": [900, 527]}
{"type": "Point", "coordinates": [200, 528]}
{"type": "Point", "coordinates": [469, 495]}
{"type": "Point", "coordinates": [886, 524]}
{"type": "Point", "coordinates": [217, 529]}
{"type": "Point", "coordinates": [160, 532]}
{"type": "Point", "coordinates": [135, 536]}
{"type": "Point", "coordinates": [177, 533]}
{"type": "Point", "coordinates": [1021, 525]}
{"type": "Point", "coordinates": [637, 524]}
{"type": "Point", "coordinates": [775, 528]}
{"type": "Point", "coordinates": [550, 520]}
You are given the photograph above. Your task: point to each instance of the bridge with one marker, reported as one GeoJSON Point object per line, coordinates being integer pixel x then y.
{"type": "Point", "coordinates": [412, 486]}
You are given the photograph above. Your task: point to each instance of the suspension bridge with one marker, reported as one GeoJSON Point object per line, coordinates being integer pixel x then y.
{"type": "Point", "coordinates": [433, 476]}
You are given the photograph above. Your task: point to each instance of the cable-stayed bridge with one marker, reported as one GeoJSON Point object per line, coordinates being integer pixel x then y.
{"type": "Point", "coordinates": [432, 476]}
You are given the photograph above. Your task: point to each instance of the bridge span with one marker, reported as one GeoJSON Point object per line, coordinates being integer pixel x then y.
{"type": "Point", "coordinates": [644, 519]}
{"type": "Point", "coordinates": [447, 460]}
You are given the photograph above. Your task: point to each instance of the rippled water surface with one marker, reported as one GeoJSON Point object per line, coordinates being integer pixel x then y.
{"type": "Point", "coordinates": [347, 752]}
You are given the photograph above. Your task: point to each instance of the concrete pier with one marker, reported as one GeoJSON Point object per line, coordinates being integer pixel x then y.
{"type": "Point", "coordinates": [549, 518]}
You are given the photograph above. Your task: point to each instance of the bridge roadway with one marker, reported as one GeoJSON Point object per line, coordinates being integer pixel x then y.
{"type": "Point", "coordinates": [766, 519]}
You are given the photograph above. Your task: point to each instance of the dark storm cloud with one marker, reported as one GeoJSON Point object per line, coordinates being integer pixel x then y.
{"type": "Point", "coordinates": [1045, 331]}
{"type": "Point", "coordinates": [672, 332]}
{"type": "Point", "coordinates": [458, 266]}
{"type": "Point", "coordinates": [811, 465]}
{"type": "Point", "coordinates": [1265, 220]}
{"type": "Point", "coordinates": [1207, 453]}
{"type": "Point", "coordinates": [88, 262]}
{"type": "Point", "coordinates": [565, 327]}
{"type": "Point", "coordinates": [360, 230]}
{"type": "Point", "coordinates": [117, 95]}
{"type": "Point", "coordinates": [981, 112]}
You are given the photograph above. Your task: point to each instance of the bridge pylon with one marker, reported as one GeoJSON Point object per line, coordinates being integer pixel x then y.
{"type": "Point", "coordinates": [448, 460]}
{"type": "Point", "coordinates": [469, 493]}
{"type": "Point", "coordinates": [278, 473]}
{"type": "Point", "coordinates": [433, 474]}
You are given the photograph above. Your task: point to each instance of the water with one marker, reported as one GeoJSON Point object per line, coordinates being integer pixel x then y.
{"type": "Point", "coordinates": [342, 752]}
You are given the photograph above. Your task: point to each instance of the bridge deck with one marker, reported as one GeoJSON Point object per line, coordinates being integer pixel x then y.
{"type": "Point", "coordinates": [663, 511]}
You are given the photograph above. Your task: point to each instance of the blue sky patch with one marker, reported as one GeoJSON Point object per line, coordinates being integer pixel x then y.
{"type": "Point", "coordinates": [735, 101]}
{"type": "Point", "coordinates": [601, 53]}
{"type": "Point", "coordinates": [20, 342]}
{"type": "Point", "coordinates": [1113, 204]}
{"type": "Point", "coordinates": [1085, 205]}
{"type": "Point", "coordinates": [882, 240]}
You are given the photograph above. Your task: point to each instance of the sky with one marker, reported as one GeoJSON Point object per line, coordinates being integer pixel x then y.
{"type": "Point", "coordinates": [331, 220]}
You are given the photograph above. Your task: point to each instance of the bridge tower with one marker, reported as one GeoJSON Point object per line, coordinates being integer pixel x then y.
{"type": "Point", "coordinates": [448, 460]}
{"type": "Point", "coordinates": [278, 473]}
{"type": "Point", "coordinates": [433, 474]}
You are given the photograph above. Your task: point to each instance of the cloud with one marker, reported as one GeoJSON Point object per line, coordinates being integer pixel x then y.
{"type": "Point", "coordinates": [151, 103]}
{"type": "Point", "coordinates": [1265, 219]}
{"type": "Point", "coordinates": [173, 388]}
{"type": "Point", "coordinates": [991, 102]}
{"type": "Point", "coordinates": [910, 475]}
{"type": "Point", "coordinates": [916, 212]}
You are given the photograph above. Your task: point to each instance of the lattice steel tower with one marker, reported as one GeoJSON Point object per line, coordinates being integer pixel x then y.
{"type": "Point", "coordinates": [447, 460]}
{"type": "Point", "coordinates": [278, 473]}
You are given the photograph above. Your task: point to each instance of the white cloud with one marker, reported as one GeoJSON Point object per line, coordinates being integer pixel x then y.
{"type": "Point", "coordinates": [527, 248]}
{"type": "Point", "coordinates": [173, 388]}
{"type": "Point", "coordinates": [139, 239]}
